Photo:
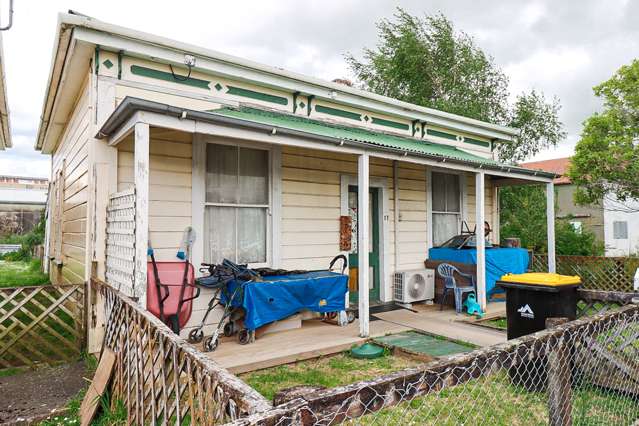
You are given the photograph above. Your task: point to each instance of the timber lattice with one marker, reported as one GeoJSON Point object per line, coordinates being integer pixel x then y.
{"type": "Point", "coordinates": [41, 324]}
{"type": "Point", "coordinates": [596, 272]}
{"type": "Point", "coordinates": [161, 378]}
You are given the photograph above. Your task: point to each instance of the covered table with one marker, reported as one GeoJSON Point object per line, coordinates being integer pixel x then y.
{"type": "Point", "coordinates": [499, 261]}
{"type": "Point", "coordinates": [280, 296]}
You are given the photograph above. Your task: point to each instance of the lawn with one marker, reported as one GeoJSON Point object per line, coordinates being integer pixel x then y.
{"type": "Point", "coordinates": [329, 372]}
{"type": "Point", "coordinates": [499, 323]}
{"type": "Point", "coordinates": [495, 400]}
{"type": "Point", "coordinates": [18, 274]}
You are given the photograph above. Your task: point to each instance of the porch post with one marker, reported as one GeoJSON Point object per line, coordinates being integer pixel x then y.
{"type": "Point", "coordinates": [141, 161]}
{"type": "Point", "coordinates": [550, 217]}
{"type": "Point", "coordinates": [362, 242]}
{"type": "Point", "coordinates": [480, 238]}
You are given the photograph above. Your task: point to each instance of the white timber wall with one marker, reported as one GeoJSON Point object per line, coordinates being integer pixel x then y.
{"type": "Point", "coordinates": [71, 158]}
{"type": "Point", "coordinates": [490, 209]}
{"type": "Point", "coordinates": [311, 208]}
{"type": "Point", "coordinates": [169, 187]}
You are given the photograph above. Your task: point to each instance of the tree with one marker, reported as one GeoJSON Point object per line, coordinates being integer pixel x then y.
{"type": "Point", "coordinates": [522, 215]}
{"type": "Point", "coordinates": [426, 62]}
{"type": "Point", "coordinates": [606, 160]}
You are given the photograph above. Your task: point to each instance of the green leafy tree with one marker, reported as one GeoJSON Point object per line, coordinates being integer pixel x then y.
{"type": "Point", "coordinates": [425, 61]}
{"type": "Point", "coordinates": [522, 217]}
{"type": "Point", "coordinates": [606, 160]}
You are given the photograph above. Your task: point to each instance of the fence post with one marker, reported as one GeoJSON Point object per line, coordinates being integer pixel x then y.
{"type": "Point", "coordinates": [559, 379]}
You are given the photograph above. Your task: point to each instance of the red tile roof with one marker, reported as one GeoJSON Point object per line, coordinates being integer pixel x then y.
{"type": "Point", "coordinates": [558, 166]}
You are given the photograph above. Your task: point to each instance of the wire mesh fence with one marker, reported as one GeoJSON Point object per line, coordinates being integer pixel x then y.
{"type": "Point", "coordinates": [582, 372]}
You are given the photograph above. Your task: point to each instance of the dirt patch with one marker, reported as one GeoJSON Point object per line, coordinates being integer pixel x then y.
{"type": "Point", "coordinates": [36, 393]}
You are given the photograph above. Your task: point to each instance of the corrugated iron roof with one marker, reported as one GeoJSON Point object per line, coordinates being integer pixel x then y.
{"type": "Point", "coordinates": [337, 131]}
{"type": "Point", "coordinates": [558, 166]}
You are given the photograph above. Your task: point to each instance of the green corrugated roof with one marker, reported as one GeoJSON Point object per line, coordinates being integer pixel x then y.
{"type": "Point", "coordinates": [320, 128]}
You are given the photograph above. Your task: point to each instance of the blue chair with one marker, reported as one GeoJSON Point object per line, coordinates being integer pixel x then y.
{"type": "Point", "coordinates": [447, 272]}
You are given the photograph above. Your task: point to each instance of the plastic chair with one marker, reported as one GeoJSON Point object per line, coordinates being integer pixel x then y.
{"type": "Point", "coordinates": [447, 272]}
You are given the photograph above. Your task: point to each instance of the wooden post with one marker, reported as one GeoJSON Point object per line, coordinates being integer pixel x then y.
{"type": "Point", "coordinates": [481, 240]}
{"type": "Point", "coordinates": [141, 160]}
{"type": "Point", "coordinates": [103, 160]}
{"type": "Point", "coordinates": [362, 243]}
{"type": "Point", "coordinates": [550, 218]}
{"type": "Point", "coordinates": [559, 379]}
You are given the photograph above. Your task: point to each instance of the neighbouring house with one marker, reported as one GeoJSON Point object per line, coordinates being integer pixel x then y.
{"type": "Point", "coordinates": [614, 223]}
{"type": "Point", "coordinates": [22, 202]}
{"type": "Point", "coordinates": [149, 135]}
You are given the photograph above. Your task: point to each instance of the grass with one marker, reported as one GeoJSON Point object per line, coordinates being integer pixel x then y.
{"type": "Point", "coordinates": [19, 273]}
{"type": "Point", "coordinates": [495, 400]}
{"type": "Point", "coordinates": [499, 323]}
{"type": "Point", "coordinates": [329, 372]}
{"type": "Point", "coordinates": [107, 415]}
{"type": "Point", "coordinates": [11, 371]}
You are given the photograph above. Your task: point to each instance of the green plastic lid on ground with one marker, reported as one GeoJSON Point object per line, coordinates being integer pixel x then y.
{"type": "Point", "coordinates": [367, 351]}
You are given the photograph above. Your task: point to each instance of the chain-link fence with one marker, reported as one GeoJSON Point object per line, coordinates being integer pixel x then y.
{"type": "Point", "coordinates": [583, 372]}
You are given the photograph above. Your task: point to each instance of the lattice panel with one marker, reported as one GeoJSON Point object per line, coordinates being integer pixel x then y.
{"type": "Point", "coordinates": [596, 272]}
{"type": "Point", "coordinates": [120, 241]}
{"type": "Point", "coordinates": [40, 325]}
{"type": "Point", "coordinates": [164, 380]}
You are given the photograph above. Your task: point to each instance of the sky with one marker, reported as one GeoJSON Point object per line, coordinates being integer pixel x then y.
{"type": "Point", "coordinates": [562, 48]}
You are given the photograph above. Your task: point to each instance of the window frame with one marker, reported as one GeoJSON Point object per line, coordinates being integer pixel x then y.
{"type": "Point", "coordinates": [432, 212]}
{"type": "Point", "coordinates": [623, 225]}
{"type": "Point", "coordinates": [199, 203]}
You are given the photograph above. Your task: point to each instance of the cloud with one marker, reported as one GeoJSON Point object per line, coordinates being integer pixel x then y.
{"type": "Point", "coordinates": [560, 48]}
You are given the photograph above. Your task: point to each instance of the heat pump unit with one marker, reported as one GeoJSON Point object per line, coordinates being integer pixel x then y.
{"type": "Point", "coordinates": [414, 286]}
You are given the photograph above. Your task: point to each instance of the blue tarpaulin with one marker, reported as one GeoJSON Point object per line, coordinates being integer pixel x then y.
{"type": "Point", "coordinates": [278, 297]}
{"type": "Point", "coordinates": [499, 261]}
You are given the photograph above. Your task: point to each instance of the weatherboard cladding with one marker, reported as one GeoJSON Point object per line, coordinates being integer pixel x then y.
{"type": "Point", "coordinates": [315, 127]}
{"type": "Point", "coordinates": [181, 76]}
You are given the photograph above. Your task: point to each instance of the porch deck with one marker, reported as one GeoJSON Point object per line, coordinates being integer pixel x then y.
{"type": "Point", "coordinates": [317, 338]}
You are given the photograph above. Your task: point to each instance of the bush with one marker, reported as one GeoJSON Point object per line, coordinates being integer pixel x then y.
{"type": "Point", "coordinates": [28, 241]}
{"type": "Point", "coordinates": [523, 215]}
{"type": "Point", "coordinates": [569, 241]}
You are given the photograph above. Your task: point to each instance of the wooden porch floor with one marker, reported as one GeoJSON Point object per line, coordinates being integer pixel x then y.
{"type": "Point", "coordinates": [317, 338]}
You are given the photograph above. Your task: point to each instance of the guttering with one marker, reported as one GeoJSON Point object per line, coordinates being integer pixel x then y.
{"type": "Point", "coordinates": [130, 106]}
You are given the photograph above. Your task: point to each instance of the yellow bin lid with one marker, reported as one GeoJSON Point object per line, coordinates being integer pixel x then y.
{"type": "Point", "coordinates": [542, 278]}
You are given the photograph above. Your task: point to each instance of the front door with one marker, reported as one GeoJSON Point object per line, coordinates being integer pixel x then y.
{"type": "Point", "coordinates": [373, 249]}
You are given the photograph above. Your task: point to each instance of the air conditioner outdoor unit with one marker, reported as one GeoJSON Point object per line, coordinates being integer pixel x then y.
{"type": "Point", "coordinates": [414, 286]}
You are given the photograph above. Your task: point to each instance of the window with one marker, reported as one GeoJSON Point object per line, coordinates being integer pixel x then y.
{"type": "Point", "coordinates": [620, 230]}
{"type": "Point", "coordinates": [576, 226]}
{"type": "Point", "coordinates": [446, 197]}
{"type": "Point", "coordinates": [237, 204]}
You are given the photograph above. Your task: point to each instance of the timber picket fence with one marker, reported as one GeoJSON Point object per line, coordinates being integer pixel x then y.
{"type": "Point", "coordinates": [41, 324]}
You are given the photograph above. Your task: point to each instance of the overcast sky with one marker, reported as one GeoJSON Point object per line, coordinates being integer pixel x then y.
{"type": "Point", "coordinates": [562, 48]}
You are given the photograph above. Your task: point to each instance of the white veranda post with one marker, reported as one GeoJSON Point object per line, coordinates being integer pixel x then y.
{"type": "Point", "coordinates": [480, 238]}
{"type": "Point", "coordinates": [141, 167]}
{"type": "Point", "coordinates": [362, 243]}
{"type": "Point", "coordinates": [550, 217]}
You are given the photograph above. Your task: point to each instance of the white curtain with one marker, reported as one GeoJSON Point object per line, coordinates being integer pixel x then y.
{"type": "Point", "coordinates": [237, 197]}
